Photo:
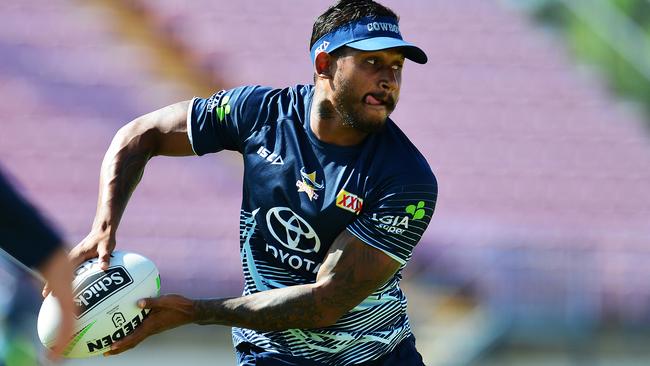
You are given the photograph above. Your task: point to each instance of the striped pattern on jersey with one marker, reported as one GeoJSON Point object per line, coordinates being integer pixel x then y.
{"type": "Point", "coordinates": [396, 226]}
{"type": "Point", "coordinates": [371, 329]}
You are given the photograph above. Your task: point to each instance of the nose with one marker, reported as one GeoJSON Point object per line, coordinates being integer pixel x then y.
{"type": "Point", "coordinates": [389, 79]}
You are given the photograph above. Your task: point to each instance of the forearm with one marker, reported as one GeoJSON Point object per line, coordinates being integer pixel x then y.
{"type": "Point", "coordinates": [162, 132]}
{"type": "Point", "coordinates": [341, 284]}
{"type": "Point", "coordinates": [278, 309]}
{"type": "Point", "coordinates": [121, 171]}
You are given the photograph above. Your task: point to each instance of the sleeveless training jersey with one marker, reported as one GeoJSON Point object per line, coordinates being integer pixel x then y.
{"type": "Point", "coordinates": [300, 193]}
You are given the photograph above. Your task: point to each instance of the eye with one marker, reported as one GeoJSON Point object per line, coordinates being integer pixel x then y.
{"type": "Point", "coordinates": [371, 61]}
{"type": "Point", "coordinates": [398, 65]}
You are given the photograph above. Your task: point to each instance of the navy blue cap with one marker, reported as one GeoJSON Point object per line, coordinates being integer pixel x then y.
{"type": "Point", "coordinates": [368, 34]}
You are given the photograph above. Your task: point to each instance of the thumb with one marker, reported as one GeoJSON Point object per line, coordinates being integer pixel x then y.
{"type": "Point", "coordinates": [147, 303]}
{"type": "Point", "coordinates": [46, 290]}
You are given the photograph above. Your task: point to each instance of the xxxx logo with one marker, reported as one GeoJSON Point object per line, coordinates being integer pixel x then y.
{"type": "Point", "coordinates": [417, 211]}
{"type": "Point", "coordinates": [349, 201]}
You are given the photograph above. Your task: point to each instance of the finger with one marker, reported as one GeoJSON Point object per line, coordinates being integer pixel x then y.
{"type": "Point", "coordinates": [120, 347]}
{"type": "Point", "coordinates": [78, 255]}
{"type": "Point", "coordinates": [130, 341]}
{"type": "Point", "coordinates": [174, 302]}
{"type": "Point", "coordinates": [49, 287]}
{"type": "Point", "coordinates": [148, 303]}
{"type": "Point", "coordinates": [125, 344]}
{"type": "Point", "coordinates": [53, 356]}
{"type": "Point", "coordinates": [162, 302]}
{"type": "Point", "coordinates": [46, 290]}
{"type": "Point", "coordinates": [104, 257]}
{"type": "Point", "coordinates": [117, 349]}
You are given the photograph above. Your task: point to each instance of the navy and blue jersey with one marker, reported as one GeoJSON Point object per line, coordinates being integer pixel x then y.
{"type": "Point", "coordinates": [300, 193]}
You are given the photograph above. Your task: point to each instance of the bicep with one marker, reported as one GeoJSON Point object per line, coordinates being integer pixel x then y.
{"type": "Point", "coordinates": [167, 129]}
{"type": "Point", "coordinates": [352, 271]}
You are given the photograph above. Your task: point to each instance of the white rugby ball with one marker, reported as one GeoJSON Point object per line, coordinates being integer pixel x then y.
{"type": "Point", "coordinates": [105, 302]}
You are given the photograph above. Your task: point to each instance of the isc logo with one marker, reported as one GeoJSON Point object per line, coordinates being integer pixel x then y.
{"type": "Point", "coordinates": [269, 156]}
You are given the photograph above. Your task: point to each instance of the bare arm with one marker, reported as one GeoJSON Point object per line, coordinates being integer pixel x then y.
{"type": "Point", "coordinates": [162, 132]}
{"type": "Point", "coordinates": [351, 271]}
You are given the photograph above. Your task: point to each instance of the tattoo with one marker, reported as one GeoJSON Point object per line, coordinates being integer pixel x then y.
{"type": "Point", "coordinates": [128, 177]}
{"type": "Point", "coordinates": [326, 110]}
{"type": "Point", "coordinates": [124, 178]}
{"type": "Point", "coordinates": [351, 272]}
{"type": "Point", "coordinates": [277, 309]}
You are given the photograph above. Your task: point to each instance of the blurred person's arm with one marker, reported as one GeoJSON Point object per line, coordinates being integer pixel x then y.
{"type": "Point", "coordinates": [57, 271]}
{"type": "Point", "coordinates": [27, 237]}
{"type": "Point", "coordinates": [162, 132]}
{"type": "Point", "coordinates": [24, 234]}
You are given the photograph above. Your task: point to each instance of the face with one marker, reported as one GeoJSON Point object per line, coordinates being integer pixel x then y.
{"type": "Point", "coordinates": [366, 87]}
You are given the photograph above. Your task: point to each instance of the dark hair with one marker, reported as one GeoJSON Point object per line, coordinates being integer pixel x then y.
{"type": "Point", "coordinates": [346, 11]}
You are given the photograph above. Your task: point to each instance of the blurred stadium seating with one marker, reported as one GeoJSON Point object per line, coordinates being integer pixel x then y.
{"type": "Point", "coordinates": [67, 86]}
{"type": "Point", "coordinates": [543, 216]}
{"type": "Point", "coordinates": [534, 162]}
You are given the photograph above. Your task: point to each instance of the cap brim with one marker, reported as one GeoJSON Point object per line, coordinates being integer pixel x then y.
{"type": "Point", "coordinates": [411, 52]}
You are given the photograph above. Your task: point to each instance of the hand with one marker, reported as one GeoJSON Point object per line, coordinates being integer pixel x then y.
{"type": "Point", "coordinates": [167, 312]}
{"type": "Point", "coordinates": [57, 270]}
{"type": "Point", "coordinates": [96, 244]}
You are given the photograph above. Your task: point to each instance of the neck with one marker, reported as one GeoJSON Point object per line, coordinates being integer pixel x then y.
{"type": "Point", "coordinates": [327, 125]}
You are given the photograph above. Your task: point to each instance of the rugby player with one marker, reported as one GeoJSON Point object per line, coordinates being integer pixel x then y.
{"type": "Point", "coordinates": [335, 198]}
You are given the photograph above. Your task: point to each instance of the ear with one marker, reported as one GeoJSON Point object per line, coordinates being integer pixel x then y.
{"type": "Point", "coordinates": [322, 65]}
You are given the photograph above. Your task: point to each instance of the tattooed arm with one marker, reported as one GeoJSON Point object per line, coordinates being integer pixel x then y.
{"type": "Point", "coordinates": [351, 271]}
{"type": "Point", "coordinates": [162, 132]}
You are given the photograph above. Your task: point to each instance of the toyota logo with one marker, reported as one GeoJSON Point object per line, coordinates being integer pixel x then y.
{"type": "Point", "coordinates": [292, 230]}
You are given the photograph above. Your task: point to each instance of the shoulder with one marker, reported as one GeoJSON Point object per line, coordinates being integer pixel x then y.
{"type": "Point", "coordinates": [265, 94]}
{"type": "Point", "coordinates": [267, 102]}
{"type": "Point", "coordinates": [399, 159]}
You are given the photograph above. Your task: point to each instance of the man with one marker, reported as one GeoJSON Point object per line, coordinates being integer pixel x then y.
{"type": "Point", "coordinates": [27, 238]}
{"type": "Point", "coordinates": [335, 199]}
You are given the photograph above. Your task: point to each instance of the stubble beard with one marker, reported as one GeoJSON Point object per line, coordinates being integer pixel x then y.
{"type": "Point", "coordinates": [348, 106]}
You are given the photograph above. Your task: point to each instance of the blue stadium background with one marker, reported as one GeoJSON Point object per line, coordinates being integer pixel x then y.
{"type": "Point", "coordinates": [538, 253]}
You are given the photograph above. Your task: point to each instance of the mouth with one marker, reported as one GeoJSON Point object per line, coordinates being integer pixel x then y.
{"type": "Point", "coordinates": [379, 100]}
{"type": "Point", "coordinates": [375, 99]}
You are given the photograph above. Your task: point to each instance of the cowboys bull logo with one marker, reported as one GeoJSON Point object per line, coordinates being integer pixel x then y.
{"type": "Point", "coordinates": [309, 185]}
